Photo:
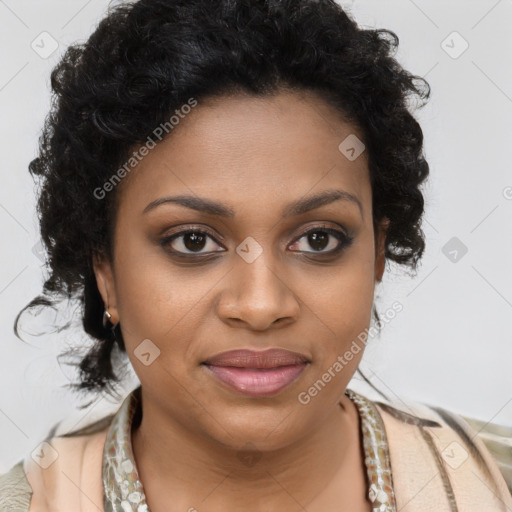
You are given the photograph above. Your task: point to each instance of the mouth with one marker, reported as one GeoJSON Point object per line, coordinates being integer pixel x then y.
{"type": "Point", "coordinates": [257, 373]}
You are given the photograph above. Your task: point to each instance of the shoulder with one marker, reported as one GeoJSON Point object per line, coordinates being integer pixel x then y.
{"type": "Point", "coordinates": [439, 450]}
{"type": "Point", "coordinates": [52, 477]}
{"type": "Point", "coordinates": [15, 491]}
{"type": "Point", "coordinates": [498, 441]}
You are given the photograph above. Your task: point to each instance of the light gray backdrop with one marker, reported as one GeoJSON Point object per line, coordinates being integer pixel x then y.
{"type": "Point", "coordinates": [452, 343]}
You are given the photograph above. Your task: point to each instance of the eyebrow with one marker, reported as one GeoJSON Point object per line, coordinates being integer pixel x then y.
{"type": "Point", "coordinates": [299, 207]}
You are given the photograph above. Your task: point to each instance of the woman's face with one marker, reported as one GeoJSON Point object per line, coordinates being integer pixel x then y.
{"type": "Point", "coordinates": [254, 278]}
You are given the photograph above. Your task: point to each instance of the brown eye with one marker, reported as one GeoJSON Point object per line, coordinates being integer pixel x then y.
{"type": "Point", "coordinates": [319, 240]}
{"type": "Point", "coordinates": [190, 242]}
{"type": "Point", "coordinates": [194, 241]}
{"type": "Point", "coordinates": [322, 238]}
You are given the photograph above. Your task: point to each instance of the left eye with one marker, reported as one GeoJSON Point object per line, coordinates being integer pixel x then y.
{"type": "Point", "coordinates": [318, 238]}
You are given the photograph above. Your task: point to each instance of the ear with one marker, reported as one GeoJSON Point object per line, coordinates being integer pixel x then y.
{"type": "Point", "coordinates": [106, 285]}
{"type": "Point", "coordinates": [380, 246]}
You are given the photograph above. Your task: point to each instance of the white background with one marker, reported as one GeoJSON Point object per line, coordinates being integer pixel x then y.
{"type": "Point", "coordinates": [450, 346]}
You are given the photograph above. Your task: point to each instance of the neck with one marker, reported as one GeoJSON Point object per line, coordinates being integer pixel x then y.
{"type": "Point", "coordinates": [188, 468]}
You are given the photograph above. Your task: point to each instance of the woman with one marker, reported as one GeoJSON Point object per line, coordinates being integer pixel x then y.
{"type": "Point", "coordinates": [222, 184]}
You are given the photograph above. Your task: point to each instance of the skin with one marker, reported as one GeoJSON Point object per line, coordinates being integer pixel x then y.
{"type": "Point", "coordinates": [254, 155]}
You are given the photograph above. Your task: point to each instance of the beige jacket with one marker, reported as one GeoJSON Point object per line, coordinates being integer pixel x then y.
{"type": "Point", "coordinates": [458, 466]}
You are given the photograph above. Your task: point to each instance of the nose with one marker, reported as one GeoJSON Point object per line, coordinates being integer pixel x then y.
{"type": "Point", "coordinates": [257, 296]}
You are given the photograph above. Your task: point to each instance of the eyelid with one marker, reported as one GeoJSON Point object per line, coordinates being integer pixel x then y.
{"type": "Point", "coordinates": [199, 228]}
{"type": "Point", "coordinates": [319, 227]}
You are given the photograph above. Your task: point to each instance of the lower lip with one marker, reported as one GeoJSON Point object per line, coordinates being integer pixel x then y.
{"type": "Point", "coordinates": [257, 382]}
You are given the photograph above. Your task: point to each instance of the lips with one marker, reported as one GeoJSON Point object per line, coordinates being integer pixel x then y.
{"type": "Point", "coordinates": [257, 373]}
{"type": "Point", "coordinates": [270, 358]}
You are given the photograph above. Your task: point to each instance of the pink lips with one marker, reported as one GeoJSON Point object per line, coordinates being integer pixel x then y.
{"type": "Point", "coordinates": [257, 373]}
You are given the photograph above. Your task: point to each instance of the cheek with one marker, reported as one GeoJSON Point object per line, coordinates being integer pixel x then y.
{"type": "Point", "coordinates": [156, 299]}
{"type": "Point", "coordinates": [342, 303]}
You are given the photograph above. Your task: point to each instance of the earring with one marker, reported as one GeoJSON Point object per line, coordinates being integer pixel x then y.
{"type": "Point", "coordinates": [106, 318]}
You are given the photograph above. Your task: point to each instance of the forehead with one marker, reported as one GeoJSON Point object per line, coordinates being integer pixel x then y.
{"type": "Point", "coordinates": [244, 150]}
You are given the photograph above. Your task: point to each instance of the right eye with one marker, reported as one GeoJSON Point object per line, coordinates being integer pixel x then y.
{"type": "Point", "coordinates": [190, 241]}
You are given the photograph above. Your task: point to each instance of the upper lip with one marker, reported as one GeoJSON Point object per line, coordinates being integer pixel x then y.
{"type": "Point", "coordinates": [246, 358]}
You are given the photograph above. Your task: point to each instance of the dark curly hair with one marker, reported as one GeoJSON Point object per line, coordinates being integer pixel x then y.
{"type": "Point", "coordinates": [146, 59]}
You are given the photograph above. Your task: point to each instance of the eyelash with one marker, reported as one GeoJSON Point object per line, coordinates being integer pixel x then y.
{"type": "Point", "coordinates": [344, 239]}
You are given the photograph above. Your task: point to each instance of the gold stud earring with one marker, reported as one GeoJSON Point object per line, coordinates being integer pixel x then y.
{"type": "Point", "coordinates": [106, 318]}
